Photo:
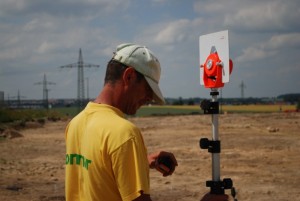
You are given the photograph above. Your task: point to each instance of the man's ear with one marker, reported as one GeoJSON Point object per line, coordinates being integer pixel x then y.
{"type": "Point", "coordinates": [129, 75]}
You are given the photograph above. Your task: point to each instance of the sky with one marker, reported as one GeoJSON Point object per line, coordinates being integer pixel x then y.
{"type": "Point", "coordinates": [39, 36]}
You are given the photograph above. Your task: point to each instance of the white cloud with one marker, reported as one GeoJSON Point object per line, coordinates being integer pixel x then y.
{"type": "Point", "coordinates": [37, 36]}
{"type": "Point", "coordinates": [255, 15]}
{"type": "Point", "coordinates": [277, 44]}
{"type": "Point", "coordinates": [173, 33]}
{"type": "Point", "coordinates": [213, 8]}
{"type": "Point", "coordinates": [7, 6]}
{"type": "Point", "coordinates": [253, 54]}
{"type": "Point", "coordinates": [288, 40]}
{"type": "Point", "coordinates": [270, 15]}
{"type": "Point", "coordinates": [60, 8]}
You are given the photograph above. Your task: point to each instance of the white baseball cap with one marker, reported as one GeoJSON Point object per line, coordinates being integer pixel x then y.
{"type": "Point", "coordinates": [142, 60]}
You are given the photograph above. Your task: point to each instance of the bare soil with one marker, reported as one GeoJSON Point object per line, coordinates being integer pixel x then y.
{"type": "Point", "coordinates": [260, 153]}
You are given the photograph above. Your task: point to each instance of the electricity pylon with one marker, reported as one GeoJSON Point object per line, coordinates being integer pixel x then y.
{"type": "Point", "coordinates": [45, 90]}
{"type": "Point", "coordinates": [18, 99]}
{"type": "Point", "coordinates": [242, 86]}
{"type": "Point", "coordinates": [80, 80]}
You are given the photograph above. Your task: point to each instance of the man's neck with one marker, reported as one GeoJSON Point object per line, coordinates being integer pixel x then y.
{"type": "Point", "coordinates": [110, 95]}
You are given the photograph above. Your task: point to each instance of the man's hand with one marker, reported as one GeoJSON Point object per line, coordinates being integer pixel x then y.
{"type": "Point", "coordinates": [164, 162]}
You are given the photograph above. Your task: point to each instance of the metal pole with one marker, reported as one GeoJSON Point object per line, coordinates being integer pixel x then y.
{"type": "Point", "coordinates": [215, 137]}
{"type": "Point", "coordinates": [214, 146]}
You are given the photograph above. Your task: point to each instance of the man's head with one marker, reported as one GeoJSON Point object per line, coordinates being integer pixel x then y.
{"type": "Point", "coordinates": [115, 71]}
{"type": "Point", "coordinates": [144, 62]}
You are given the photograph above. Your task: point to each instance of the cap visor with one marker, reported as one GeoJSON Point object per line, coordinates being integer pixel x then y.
{"type": "Point", "coordinates": [157, 95]}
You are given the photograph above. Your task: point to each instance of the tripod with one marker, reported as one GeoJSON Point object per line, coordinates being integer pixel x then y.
{"type": "Point", "coordinates": [217, 186]}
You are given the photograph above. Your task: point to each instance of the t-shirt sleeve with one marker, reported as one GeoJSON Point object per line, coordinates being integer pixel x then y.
{"type": "Point", "coordinates": [131, 169]}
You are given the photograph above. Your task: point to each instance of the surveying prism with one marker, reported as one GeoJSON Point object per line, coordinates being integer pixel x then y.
{"type": "Point", "coordinates": [215, 68]}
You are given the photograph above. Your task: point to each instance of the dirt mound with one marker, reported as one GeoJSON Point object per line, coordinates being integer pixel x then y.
{"type": "Point", "coordinates": [10, 134]}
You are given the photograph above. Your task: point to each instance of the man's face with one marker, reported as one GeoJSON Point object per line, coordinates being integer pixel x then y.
{"type": "Point", "coordinates": [139, 93]}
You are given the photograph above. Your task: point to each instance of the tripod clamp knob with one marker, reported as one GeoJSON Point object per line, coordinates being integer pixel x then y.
{"type": "Point", "coordinates": [209, 107]}
{"type": "Point", "coordinates": [213, 146]}
{"type": "Point", "coordinates": [218, 187]}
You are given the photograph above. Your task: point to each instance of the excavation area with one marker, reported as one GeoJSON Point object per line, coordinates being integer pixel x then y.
{"type": "Point", "coordinates": [260, 153]}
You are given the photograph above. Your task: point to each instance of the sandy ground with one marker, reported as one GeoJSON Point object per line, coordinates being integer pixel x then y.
{"type": "Point", "coordinates": [260, 153]}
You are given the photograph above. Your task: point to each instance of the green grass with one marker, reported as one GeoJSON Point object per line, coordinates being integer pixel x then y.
{"type": "Point", "coordinates": [194, 109]}
{"type": "Point", "coordinates": [18, 117]}
{"type": "Point", "coordinates": [67, 111]}
{"type": "Point", "coordinates": [257, 108]}
{"type": "Point", "coordinates": [144, 111]}
{"type": "Point", "coordinates": [168, 110]}
{"type": "Point", "coordinates": [156, 110]}
{"type": "Point", "coordinates": [23, 115]}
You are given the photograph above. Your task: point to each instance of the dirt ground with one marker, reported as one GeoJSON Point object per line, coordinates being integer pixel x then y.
{"type": "Point", "coordinates": [260, 153]}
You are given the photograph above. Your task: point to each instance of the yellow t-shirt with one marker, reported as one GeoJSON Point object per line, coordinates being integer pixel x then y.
{"type": "Point", "coordinates": [106, 159]}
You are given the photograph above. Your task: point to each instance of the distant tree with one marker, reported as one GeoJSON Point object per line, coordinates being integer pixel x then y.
{"type": "Point", "coordinates": [190, 101]}
{"type": "Point", "coordinates": [179, 101]}
{"type": "Point", "coordinates": [292, 98]}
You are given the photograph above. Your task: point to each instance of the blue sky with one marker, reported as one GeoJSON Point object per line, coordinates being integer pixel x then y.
{"type": "Point", "coordinates": [38, 36]}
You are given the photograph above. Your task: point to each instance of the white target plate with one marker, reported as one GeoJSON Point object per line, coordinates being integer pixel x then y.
{"type": "Point", "coordinates": [220, 41]}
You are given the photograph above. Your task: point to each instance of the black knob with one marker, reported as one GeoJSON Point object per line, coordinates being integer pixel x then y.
{"type": "Point", "coordinates": [204, 143]}
{"type": "Point", "coordinates": [205, 104]}
{"type": "Point", "coordinates": [227, 183]}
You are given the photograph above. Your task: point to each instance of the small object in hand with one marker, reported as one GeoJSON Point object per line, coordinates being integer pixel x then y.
{"type": "Point", "coordinates": [164, 164]}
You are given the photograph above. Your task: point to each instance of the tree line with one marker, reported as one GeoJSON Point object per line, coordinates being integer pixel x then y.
{"type": "Point", "coordinates": [285, 98]}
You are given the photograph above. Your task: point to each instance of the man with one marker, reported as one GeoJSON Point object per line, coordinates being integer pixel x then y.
{"type": "Point", "coordinates": [106, 157]}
